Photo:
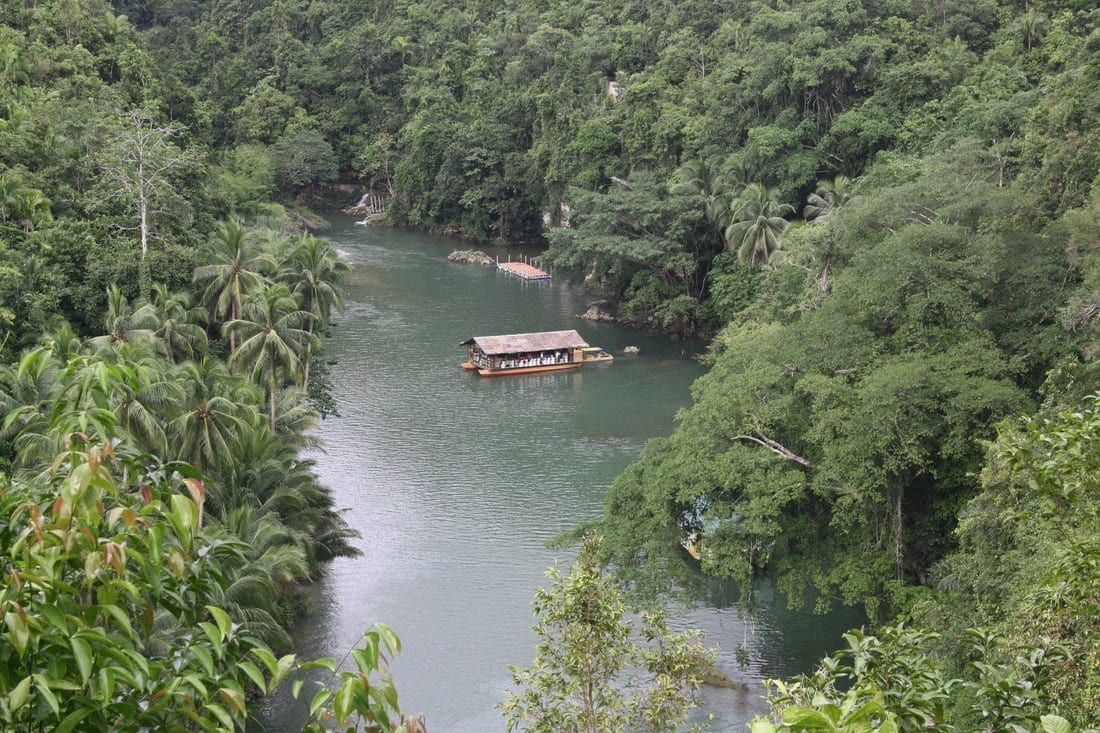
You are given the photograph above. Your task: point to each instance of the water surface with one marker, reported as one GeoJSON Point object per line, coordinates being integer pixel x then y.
{"type": "Point", "coordinates": [456, 481]}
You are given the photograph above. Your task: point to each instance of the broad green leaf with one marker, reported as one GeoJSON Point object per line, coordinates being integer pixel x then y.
{"type": "Point", "coordinates": [214, 634]}
{"type": "Point", "coordinates": [18, 631]}
{"type": "Point", "coordinates": [120, 618]}
{"type": "Point", "coordinates": [55, 617]}
{"type": "Point", "coordinates": [389, 637]}
{"type": "Point", "coordinates": [1055, 724]}
{"type": "Point", "coordinates": [342, 705]}
{"type": "Point", "coordinates": [235, 700]}
{"type": "Point", "coordinates": [71, 720]}
{"type": "Point", "coordinates": [198, 683]}
{"type": "Point", "coordinates": [221, 618]}
{"type": "Point", "coordinates": [106, 686]}
{"type": "Point", "coordinates": [366, 660]}
{"type": "Point", "coordinates": [83, 654]}
{"type": "Point", "coordinates": [254, 674]}
{"type": "Point", "coordinates": [322, 663]}
{"type": "Point", "coordinates": [18, 695]}
{"type": "Point", "coordinates": [266, 658]}
{"type": "Point", "coordinates": [184, 517]}
{"type": "Point", "coordinates": [318, 702]}
{"type": "Point", "coordinates": [222, 715]}
{"type": "Point", "coordinates": [383, 702]}
{"type": "Point", "coordinates": [205, 659]}
{"type": "Point", "coordinates": [284, 666]}
{"type": "Point", "coordinates": [43, 686]}
{"type": "Point", "coordinates": [801, 718]}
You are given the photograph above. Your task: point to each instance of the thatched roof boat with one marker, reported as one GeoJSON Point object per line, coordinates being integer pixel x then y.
{"type": "Point", "coordinates": [525, 353]}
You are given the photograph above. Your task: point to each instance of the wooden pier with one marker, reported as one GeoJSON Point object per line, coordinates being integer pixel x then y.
{"type": "Point", "coordinates": [523, 270]}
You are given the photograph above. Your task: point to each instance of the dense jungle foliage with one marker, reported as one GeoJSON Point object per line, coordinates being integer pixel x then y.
{"type": "Point", "coordinates": [885, 214]}
{"type": "Point", "coordinates": [160, 334]}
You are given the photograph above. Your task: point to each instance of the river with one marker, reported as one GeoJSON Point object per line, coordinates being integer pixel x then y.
{"type": "Point", "coordinates": [457, 481]}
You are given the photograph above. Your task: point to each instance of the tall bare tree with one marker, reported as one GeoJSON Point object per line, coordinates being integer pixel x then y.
{"type": "Point", "coordinates": [137, 166]}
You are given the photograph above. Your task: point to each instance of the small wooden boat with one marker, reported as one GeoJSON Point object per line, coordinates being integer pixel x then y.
{"type": "Point", "coordinates": [595, 355]}
{"type": "Point", "coordinates": [525, 353]}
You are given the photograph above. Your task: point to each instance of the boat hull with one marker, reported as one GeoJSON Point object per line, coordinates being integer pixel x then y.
{"type": "Point", "coordinates": [528, 370]}
{"type": "Point", "coordinates": [595, 355]}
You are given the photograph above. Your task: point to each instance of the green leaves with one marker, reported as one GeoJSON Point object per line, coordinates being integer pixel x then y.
{"type": "Point", "coordinates": [18, 630]}
{"type": "Point", "coordinates": [639, 246]}
{"type": "Point", "coordinates": [18, 695]}
{"type": "Point", "coordinates": [579, 679]}
{"type": "Point", "coordinates": [365, 696]}
{"type": "Point", "coordinates": [1055, 724]}
{"type": "Point", "coordinates": [76, 660]}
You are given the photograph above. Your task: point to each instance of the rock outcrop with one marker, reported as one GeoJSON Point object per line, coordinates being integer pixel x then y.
{"type": "Point", "coordinates": [471, 257]}
{"type": "Point", "coordinates": [601, 310]}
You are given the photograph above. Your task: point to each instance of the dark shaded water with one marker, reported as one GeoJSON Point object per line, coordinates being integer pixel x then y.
{"type": "Point", "coordinates": [457, 481]}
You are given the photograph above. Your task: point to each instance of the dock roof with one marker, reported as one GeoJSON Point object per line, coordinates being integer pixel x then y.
{"type": "Point", "coordinates": [520, 343]}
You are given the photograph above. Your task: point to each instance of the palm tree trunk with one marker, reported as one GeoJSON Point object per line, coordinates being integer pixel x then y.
{"type": "Point", "coordinates": [234, 311]}
{"type": "Point", "coordinates": [271, 401]}
{"type": "Point", "coordinates": [307, 362]}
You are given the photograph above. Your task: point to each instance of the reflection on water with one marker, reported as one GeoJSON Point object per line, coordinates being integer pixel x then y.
{"type": "Point", "coordinates": [457, 481]}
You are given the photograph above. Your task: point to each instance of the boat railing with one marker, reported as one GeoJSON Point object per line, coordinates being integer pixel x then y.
{"type": "Point", "coordinates": [526, 361]}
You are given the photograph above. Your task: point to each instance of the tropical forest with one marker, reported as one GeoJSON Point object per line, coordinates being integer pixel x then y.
{"type": "Point", "coordinates": [880, 218]}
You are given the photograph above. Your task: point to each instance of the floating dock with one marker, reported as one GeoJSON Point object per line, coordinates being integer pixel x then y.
{"type": "Point", "coordinates": [523, 270]}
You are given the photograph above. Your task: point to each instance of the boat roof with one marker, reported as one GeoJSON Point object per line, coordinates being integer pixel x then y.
{"type": "Point", "coordinates": [518, 343]}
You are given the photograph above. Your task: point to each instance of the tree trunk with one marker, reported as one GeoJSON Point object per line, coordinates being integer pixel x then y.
{"type": "Point", "coordinates": [271, 401]}
{"type": "Point", "coordinates": [307, 362]}
{"type": "Point", "coordinates": [144, 284]}
{"type": "Point", "coordinates": [899, 533]}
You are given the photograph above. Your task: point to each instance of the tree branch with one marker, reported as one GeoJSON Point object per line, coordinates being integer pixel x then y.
{"type": "Point", "coordinates": [774, 446]}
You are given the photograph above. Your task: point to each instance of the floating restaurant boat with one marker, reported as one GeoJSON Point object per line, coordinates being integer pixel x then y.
{"type": "Point", "coordinates": [525, 353]}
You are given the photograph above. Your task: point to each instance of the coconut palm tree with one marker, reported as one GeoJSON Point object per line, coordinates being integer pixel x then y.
{"type": "Point", "coordinates": [717, 188]}
{"type": "Point", "coordinates": [271, 477]}
{"type": "Point", "coordinates": [822, 206]}
{"type": "Point", "coordinates": [179, 333]}
{"type": "Point", "coordinates": [28, 391]}
{"type": "Point", "coordinates": [143, 396]}
{"type": "Point", "coordinates": [757, 224]}
{"type": "Point", "coordinates": [73, 405]}
{"type": "Point", "coordinates": [11, 193]}
{"type": "Point", "coordinates": [699, 178]}
{"type": "Point", "coordinates": [215, 412]}
{"type": "Point", "coordinates": [123, 323]}
{"type": "Point", "coordinates": [828, 198]}
{"type": "Point", "coordinates": [314, 273]}
{"type": "Point", "coordinates": [62, 340]}
{"type": "Point", "coordinates": [274, 558]}
{"type": "Point", "coordinates": [237, 270]}
{"type": "Point", "coordinates": [273, 340]}
{"type": "Point", "coordinates": [295, 421]}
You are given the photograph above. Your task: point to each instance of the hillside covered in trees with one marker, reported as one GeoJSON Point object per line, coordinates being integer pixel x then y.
{"type": "Point", "coordinates": [883, 214]}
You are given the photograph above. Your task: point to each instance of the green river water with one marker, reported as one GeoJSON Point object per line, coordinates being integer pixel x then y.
{"type": "Point", "coordinates": [456, 482]}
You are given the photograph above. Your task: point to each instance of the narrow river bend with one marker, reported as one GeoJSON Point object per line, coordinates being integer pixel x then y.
{"type": "Point", "coordinates": [457, 481]}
